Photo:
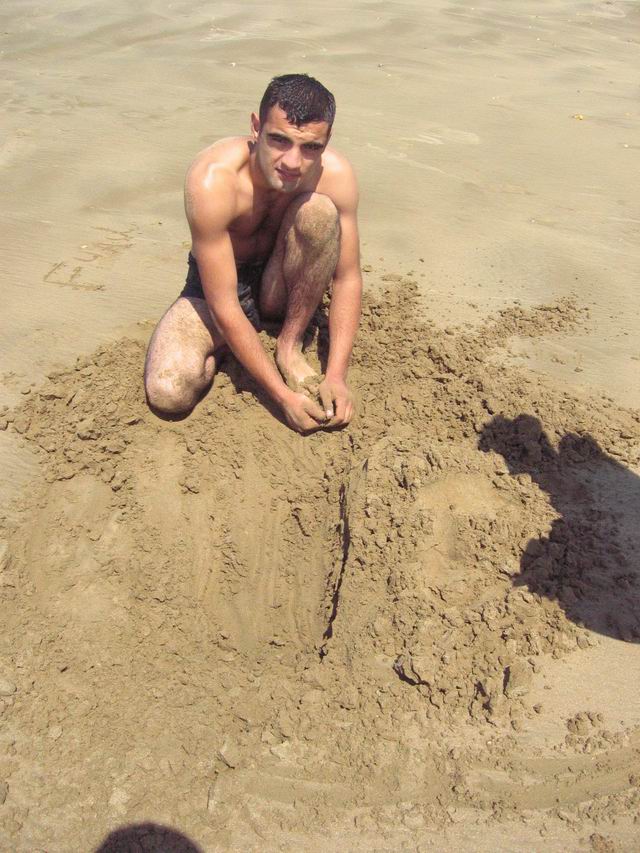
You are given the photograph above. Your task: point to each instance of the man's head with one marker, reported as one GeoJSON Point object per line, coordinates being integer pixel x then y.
{"type": "Point", "coordinates": [292, 129]}
{"type": "Point", "coordinates": [303, 99]}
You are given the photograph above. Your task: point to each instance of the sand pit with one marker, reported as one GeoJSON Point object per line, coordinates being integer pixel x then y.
{"type": "Point", "coordinates": [234, 631]}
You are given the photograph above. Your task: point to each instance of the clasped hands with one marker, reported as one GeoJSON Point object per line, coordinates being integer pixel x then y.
{"type": "Point", "coordinates": [306, 415]}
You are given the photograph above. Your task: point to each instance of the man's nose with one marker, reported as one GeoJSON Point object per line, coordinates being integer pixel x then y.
{"type": "Point", "coordinates": [292, 159]}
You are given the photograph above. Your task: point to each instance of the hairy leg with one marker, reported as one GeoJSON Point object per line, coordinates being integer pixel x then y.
{"type": "Point", "coordinates": [182, 357]}
{"type": "Point", "coordinates": [298, 273]}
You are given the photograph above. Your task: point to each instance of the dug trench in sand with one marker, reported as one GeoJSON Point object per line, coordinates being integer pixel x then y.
{"type": "Point", "coordinates": [224, 627]}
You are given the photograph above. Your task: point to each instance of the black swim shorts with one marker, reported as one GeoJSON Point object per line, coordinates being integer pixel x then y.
{"type": "Point", "coordinates": [249, 278]}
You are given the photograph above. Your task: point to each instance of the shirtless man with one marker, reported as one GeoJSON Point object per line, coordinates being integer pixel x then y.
{"type": "Point", "coordinates": [273, 220]}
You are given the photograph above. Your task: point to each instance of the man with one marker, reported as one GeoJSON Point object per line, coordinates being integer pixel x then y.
{"type": "Point", "coordinates": [273, 221]}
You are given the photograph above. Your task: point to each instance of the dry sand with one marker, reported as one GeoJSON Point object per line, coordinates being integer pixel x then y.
{"type": "Point", "coordinates": [421, 633]}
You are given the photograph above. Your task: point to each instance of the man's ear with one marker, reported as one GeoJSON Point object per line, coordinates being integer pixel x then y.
{"type": "Point", "coordinates": [255, 125]}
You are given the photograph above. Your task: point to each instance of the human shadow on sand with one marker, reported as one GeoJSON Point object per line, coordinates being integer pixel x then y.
{"type": "Point", "coordinates": [589, 562]}
{"type": "Point", "coordinates": [147, 838]}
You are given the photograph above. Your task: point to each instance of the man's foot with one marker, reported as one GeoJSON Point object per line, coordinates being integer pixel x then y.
{"type": "Point", "coordinates": [296, 370]}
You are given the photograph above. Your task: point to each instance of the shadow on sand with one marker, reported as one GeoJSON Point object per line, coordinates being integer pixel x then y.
{"type": "Point", "coordinates": [590, 560]}
{"type": "Point", "coordinates": [147, 838]}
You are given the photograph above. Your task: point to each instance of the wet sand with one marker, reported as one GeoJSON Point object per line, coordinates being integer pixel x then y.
{"type": "Point", "coordinates": [422, 631]}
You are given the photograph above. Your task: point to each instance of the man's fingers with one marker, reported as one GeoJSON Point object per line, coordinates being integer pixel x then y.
{"type": "Point", "coordinates": [327, 400]}
{"type": "Point", "coordinates": [341, 407]}
{"type": "Point", "coordinates": [336, 411]}
{"type": "Point", "coordinates": [315, 411]}
{"type": "Point", "coordinates": [344, 412]}
{"type": "Point", "coordinates": [306, 424]}
{"type": "Point", "coordinates": [337, 419]}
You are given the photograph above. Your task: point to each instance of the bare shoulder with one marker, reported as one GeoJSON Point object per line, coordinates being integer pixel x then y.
{"type": "Point", "coordinates": [338, 180]}
{"type": "Point", "coordinates": [232, 153]}
{"type": "Point", "coordinates": [211, 182]}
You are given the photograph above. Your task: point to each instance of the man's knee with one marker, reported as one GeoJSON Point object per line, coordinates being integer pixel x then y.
{"type": "Point", "coordinates": [173, 391]}
{"type": "Point", "coordinates": [316, 217]}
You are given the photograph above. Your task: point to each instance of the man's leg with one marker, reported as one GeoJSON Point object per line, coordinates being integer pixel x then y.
{"type": "Point", "coordinates": [298, 273]}
{"type": "Point", "coordinates": [182, 357]}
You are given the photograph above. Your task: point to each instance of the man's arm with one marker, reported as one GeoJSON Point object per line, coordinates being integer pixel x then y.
{"type": "Point", "coordinates": [344, 310]}
{"type": "Point", "coordinates": [210, 208]}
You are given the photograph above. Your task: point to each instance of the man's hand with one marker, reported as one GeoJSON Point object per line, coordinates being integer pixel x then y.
{"type": "Point", "coordinates": [337, 402]}
{"type": "Point", "coordinates": [302, 414]}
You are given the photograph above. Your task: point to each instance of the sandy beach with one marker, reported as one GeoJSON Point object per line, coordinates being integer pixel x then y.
{"type": "Point", "coordinates": [420, 633]}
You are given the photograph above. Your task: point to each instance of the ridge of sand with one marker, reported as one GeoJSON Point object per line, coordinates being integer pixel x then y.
{"type": "Point", "coordinates": [223, 625]}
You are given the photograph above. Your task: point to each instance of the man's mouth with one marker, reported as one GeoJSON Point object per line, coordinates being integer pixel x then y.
{"type": "Point", "coordinates": [287, 176]}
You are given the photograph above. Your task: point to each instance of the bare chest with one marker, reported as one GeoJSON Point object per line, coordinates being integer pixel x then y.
{"type": "Point", "coordinates": [254, 231]}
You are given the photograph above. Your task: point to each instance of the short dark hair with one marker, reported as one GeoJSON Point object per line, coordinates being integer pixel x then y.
{"type": "Point", "coordinates": [302, 98]}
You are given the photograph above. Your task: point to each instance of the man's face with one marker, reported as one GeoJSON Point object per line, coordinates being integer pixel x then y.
{"type": "Point", "coordinates": [286, 154]}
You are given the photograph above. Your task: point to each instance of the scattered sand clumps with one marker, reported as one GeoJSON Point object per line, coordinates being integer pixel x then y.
{"type": "Point", "coordinates": [225, 626]}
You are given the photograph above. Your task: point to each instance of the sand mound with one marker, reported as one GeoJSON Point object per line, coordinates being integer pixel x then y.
{"type": "Point", "coordinates": [225, 626]}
